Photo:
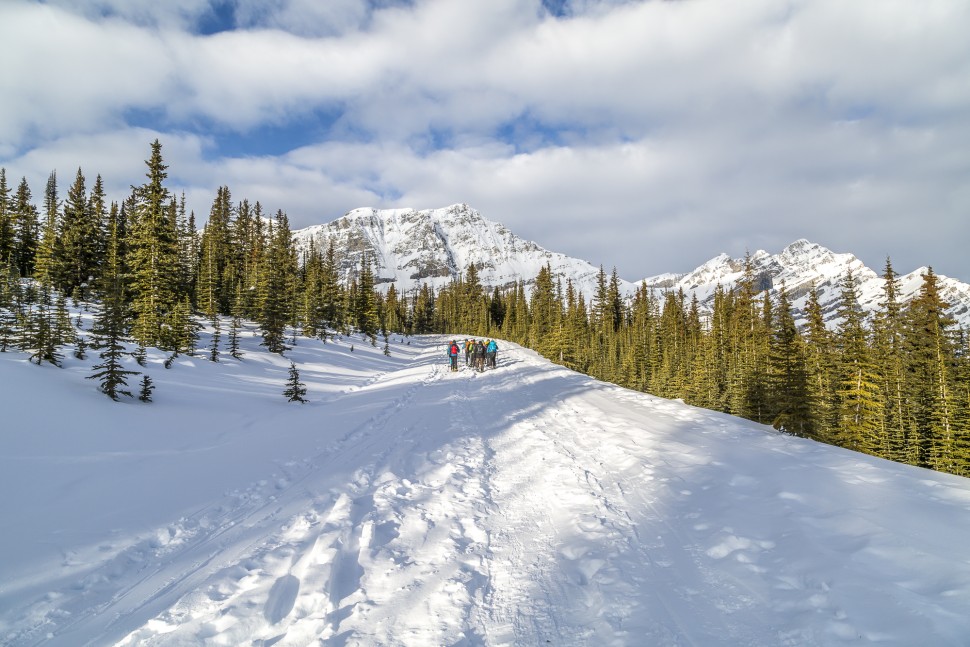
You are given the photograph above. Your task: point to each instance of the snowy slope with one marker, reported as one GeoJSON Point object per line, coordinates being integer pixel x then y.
{"type": "Point", "coordinates": [408, 505]}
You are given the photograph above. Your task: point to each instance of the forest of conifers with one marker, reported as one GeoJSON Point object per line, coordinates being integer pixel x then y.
{"type": "Point", "coordinates": [894, 384]}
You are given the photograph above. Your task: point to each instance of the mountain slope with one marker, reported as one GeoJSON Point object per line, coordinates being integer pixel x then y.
{"type": "Point", "coordinates": [802, 264]}
{"type": "Point", "coordinates": [407, 505]}
{"type": "Point", "coordinates": [435, 246]}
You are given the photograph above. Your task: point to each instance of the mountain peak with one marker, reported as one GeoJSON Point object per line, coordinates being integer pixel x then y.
{"type": "Point", "coordinates": [436, 246]}
{"type": "Point", "coordinates": [409, 247]}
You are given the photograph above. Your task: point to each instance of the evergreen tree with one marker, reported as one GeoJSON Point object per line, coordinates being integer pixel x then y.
{"type": "Point", "coordinates": [365, 306]}
{"type": "Point", "coordinates": [887, 343]}
{"type": "Point", "coordinates": [929, 355]}
{"type": "Point", "coordinates": [820, 369]}
{"type": "Point", "coordinates": [27, 231]}
{"type": "Point", "coordinates": [145, 392]}
{"type": "Point", "coordinates": [394, 317]}
{"type": "Point", "coordinates": [235, 324]}
{"type": "Point", "coordinates": [331, 293]}
{"type": "Point", "coordinates": [80, 348]}
{"type": "Point", "coordinates": [496, 310]}
{"type": "Point", "coordinates": [744, 343]}
{"type": "Point", "coordinates": [9, 289]}
{"type": "Point", "coordinates": [860, 403]}
{"type": "Point", "coordinates": [80, 241]}
{"type": "Point", "coordinates": [154, 258]}
{"type": "Point", "coordinates": [100, 220]}
{"type": "Point", "coordinates": [110, 329]}
{"type": "Point", "coordinates": [472, 317]}
{"type": "Point", "coordinates": [961, 399]}
{"type": "Point", "coordinates": [181, 332]}
{"type": "Point", "coordinates": [275, 285]}
{"type": "Point", "coordinates": [7, 221]}
{"type": "Point", "coordinates": [790, 384]}
{"type": "Point", "coordinates": [109, 337]}
{"type": "Point", "coordinates": [42, 337]}
{"type": "Point", "coordinates": [424, 309]}
{"type": "Point", "coordinates": [217, 271]}
{"type": "Point", "coordinates": [544, 331]}
{"type": "Point", "coordinates": [216, 334]}
{"type": "Point", "coordinates": [295, 390]}
{"type": "Point", "coordinates": [49, 249]}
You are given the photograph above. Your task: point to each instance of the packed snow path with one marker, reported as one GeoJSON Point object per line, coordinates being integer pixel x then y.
{"type": "Point", "coordinates": [526, 505]}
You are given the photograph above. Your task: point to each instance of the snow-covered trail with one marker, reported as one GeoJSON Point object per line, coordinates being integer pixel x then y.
{"type": "Point", "coordinates": [530, 505]}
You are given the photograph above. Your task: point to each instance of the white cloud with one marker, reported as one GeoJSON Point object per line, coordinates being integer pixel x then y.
{"type": "Point", "coordinates": [682, 129]}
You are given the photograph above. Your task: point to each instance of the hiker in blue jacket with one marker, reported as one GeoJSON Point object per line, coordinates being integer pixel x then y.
{"type": "Point", "coordinates": [490, 351]}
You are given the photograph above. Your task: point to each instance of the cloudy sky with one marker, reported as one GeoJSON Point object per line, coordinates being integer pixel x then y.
{"type": "Point", "coordinates": [649, 136]}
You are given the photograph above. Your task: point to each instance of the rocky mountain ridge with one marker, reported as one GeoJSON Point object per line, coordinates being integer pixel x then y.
{"type": "Point", "coordinates": [409, 247]}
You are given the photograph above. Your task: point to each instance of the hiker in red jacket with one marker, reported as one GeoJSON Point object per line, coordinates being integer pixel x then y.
{"type": "Point", "coordinates": [453, 355]}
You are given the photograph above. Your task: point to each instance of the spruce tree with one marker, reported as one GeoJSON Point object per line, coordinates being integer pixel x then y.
{"type": "Point", "coordinates": [331, 293]}
{"type": "Point", "coordinates": [181, 331]}
{"type": "Point", "coordinates": [7, 221]}
{"type": "Point", "coordinates": [154, 258]}
{"type": "Point", "coordinates": [9, 289]}
{"type": "Point", "coordinates": [789, 378]}
{"type": "Point", "coordinates": [43, 339]}
{"type": "Point", "coordinates": [109, 337]}
{"type": "Point", "coordinates": [216, 334]}
{"type": "Point", "coordinates": [929, 354]}
{"type": "Point", "coordinates": [887, 342]}
{"type": "Point", "coordinates": [110, 329]}
{"type": "Point", "coordinates": [80, 241]}
{"type": "Point", "coordinates": [278, 269]}
{"type": "Point", "coordinates": [295, 390]}
{"type": "Point", "coordinates": [544, 331]}
{"type": "Point", "coordinates": [365, 306]}
{"type": "Point", "coordinates": [145, 392]}
{"type": "Point", "coordinates": [820, 360]}
{"type": "Point", "coordinates": [27, 231]}
{"type": "Point", "coordinates": [100, 221]}
{"type": "Point", "coordinates": [471, 306]}
{"type": "Point", "coordinates": [859, 396]}
{"type": "Point", "coordinates": [235, 324]}
{"type": "Point", "coordinates": [47, 269]}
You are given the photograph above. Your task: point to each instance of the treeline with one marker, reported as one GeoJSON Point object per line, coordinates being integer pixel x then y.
{"type": "Point", "coordinates": [153, 277]}
{"type": "Point", "coordinates": [896, 384]}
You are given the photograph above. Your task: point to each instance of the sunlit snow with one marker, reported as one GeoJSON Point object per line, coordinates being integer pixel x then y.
{"type": "Point", "coordinates": [408, 505]}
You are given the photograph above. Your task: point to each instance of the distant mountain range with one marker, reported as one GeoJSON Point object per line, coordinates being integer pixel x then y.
{"type": "Point", "coordinates": [434, 246]}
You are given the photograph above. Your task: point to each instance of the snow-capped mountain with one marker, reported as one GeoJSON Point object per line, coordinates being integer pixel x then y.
{"type": "Point", "coordinates": [803, 264]}
{"type": "Point", "coordinates": [434, 246]}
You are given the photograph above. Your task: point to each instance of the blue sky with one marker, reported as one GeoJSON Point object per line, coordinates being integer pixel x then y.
{"type": "Point", "coordinates": [649, 136]}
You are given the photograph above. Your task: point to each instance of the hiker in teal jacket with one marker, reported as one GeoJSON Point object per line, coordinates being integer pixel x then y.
{"type": "Point", "coordinates": [490, 351]}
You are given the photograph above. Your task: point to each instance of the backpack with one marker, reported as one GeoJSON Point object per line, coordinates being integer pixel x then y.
{"type": "Point", "coordinates": [492, 346]}
{"type": "Point", "coordinates": [453, 350]}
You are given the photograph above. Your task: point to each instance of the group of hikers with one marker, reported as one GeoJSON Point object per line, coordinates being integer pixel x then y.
{"type": "Point", "coordinates": [479, 354]}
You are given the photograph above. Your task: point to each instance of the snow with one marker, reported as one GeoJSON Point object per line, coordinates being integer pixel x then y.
{"type": "Point", "coordinates": [408, 505]}
{"type": "Point", "coordinates": [433, 246]}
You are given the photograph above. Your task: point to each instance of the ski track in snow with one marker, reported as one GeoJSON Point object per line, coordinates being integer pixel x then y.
{"type": "Point", "coordinates": [469, 509]}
